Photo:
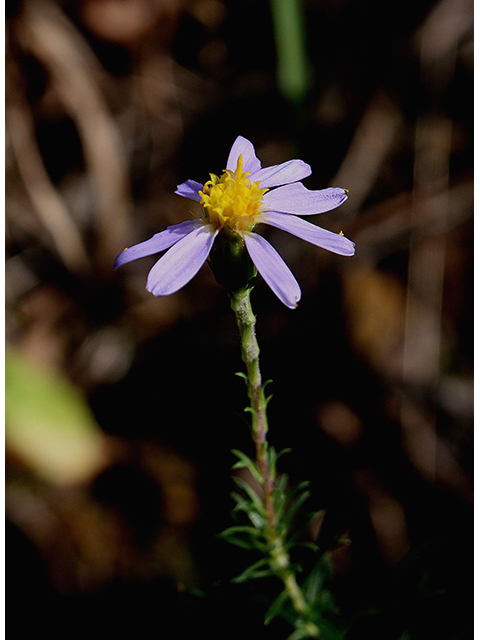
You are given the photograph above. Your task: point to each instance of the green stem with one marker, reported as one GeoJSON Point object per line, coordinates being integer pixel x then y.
{"type": "Point", "coordinates": [240, 303]}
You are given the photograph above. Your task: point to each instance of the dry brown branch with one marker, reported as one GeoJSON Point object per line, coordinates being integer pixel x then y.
{"type": "Point", "coordinates": [423, 321]}
{"type": "Point", "coordinates": [55, 42]}
{"type": "Point", "coordinates": [387, 227]}
{"type": "Point", "coordinates": [47, 201]}
{"type": "Point", "coordinates": [371, 143]}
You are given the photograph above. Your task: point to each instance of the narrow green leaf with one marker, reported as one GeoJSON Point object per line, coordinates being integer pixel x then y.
{"type": "Point", "coordinates": [246, 462]}
{"type": "Point", "coordinates": [295, 506]}
{"type": "Point", "coordinates": [242, 375]}
{"type": "Point", "coordinates": [241, 503]}
{"type": "Point", "coordinates": [255, 575]}
{"type": "Point", "coordinates": [272, 461]}
{"type": "Point", "coordinates": [241, 529]}
{"type": "Point", "coordinates": [297, 489]}
{"type": "Point", "coordinates": [239, 542]}
{"type": "Point", "coordinates": [253, 572]}
{"type": "Point", "coordinates": [276, 606]}
{"type": "Point", "coordinates": [304, 544]}
{"type": "Point", "coordinates": [265, 384]}
{"type": "Point", "coordinates": [254, 497]}
{"type": "Point", "coordinates": [300, 634]}
{"type": "Point", "coordinates": [257, 519]}
{"type": "Point", "coordinates": [251, 569]}
{"type": "Point", "coordinates": [280, 496]}
{"type": "Point", "coordinates": [282, 482]}
{"type": "Point", "coordinates": [313, 585]}
{"type": "Point", "coordinates": [301, 527]}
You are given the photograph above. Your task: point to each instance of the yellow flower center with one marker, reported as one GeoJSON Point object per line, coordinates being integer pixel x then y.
{"type": "Point", "coordinates": [232, 200]}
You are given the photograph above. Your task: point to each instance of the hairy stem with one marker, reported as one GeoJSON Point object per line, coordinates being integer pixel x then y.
{"type": "Point", "coordinates": [280, 559]}
{"type": "Point", "coordinates": [250, 355]}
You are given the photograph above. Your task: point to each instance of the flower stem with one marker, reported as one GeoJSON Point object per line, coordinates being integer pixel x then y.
{"type": "Point", "coordinates": [279, 557]}
{"type": "Point", "coordinates": [240, 302]}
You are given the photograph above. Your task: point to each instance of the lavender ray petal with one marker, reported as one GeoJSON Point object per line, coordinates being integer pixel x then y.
{"type": "Point", "coordinates": [284, 173]}
{"type": "Point", "coordinates": [190, 189]}
{"type": "Point", "coordinates": [158, 242]}
{"type": "Point", "coordinates": [245, 148]}
{"type": "Point", "coordinates": [310, 232]}
{"type": "Point", "coordinates": [295, 198]}
{"type": "Point", "coordinates": [273, 269]}
{"type": "Point", "coordinates": [181, 262]}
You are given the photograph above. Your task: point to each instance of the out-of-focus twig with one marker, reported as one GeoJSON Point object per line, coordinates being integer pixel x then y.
{"type": "Point", "coordinates": [387, 226]}
{"type": "Point", "coordinates": [53, 40]}
{"type": "Point", "coordinates": [439, 40]}
{"type": "Point", "coordinates": [371, 143]}
{"type": "Point", "coordinates": [47, 201]}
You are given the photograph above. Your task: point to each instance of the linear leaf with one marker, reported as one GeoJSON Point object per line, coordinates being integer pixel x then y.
{"type": "Point", "coordinates": [295, 506]}
{"type": "Point", "coordinates": [241, 529]}
{"type": "Point", "coordinates": [246, 462]}
{"type": "Point", "coordinates": [253, 575]}
{"type": "Point", "coordinates": [276, 606]}
{"type": "Point", "coordinates": [297, 489]}
{"type": "Point", "coordinates": [253, 537]}
{"type": "Point", "coordinates": [273, 458]}
{"type": "Point", "coordinates": [242, 375]}
{"type": "Point", "coordinates": [300, 634]}
{"type": "Point", "coordinates": [253, 571]}
{"type": "Point", "coordinates": [254, 497]}
{"type": "Point", "coordinates": [255, 518]}
{"type": "Point", "coordinates": [243, 544]}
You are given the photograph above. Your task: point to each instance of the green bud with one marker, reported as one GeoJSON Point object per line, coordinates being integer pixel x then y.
{"type": "Point", "coordinates": [230, 262]}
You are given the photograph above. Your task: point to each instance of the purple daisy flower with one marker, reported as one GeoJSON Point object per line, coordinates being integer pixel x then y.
{"type": "Point", "coordinates": [236, 202]}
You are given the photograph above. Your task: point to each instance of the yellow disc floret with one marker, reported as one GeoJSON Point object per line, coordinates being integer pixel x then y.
{"type": "Point", "coordinates": [232, 200]}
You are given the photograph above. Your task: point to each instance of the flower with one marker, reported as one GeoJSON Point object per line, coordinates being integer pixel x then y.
{"type": "Point", "coordinates": [235, 203]}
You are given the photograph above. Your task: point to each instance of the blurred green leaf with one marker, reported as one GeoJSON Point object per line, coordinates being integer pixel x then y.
{"type": "Point", "coordinates": [253, 571]}
{"type": "Point", "coordinates": [293, 69]}
{"type": "Point", "coordinates": [255, 499]}
{"type": "Point", "coordinates": [48, 423]}
{"type": "Point", "coordinates": [296, 505]}
{"type": "Point", "coordinates": [245, 462]}
{"type": "Point", "coordinates": [245, 537]}
{"type": "Point", "coordinates": [273, 457]}
{"type": "Point", "coordinates": [257, 519]}
{"type": "Point", "coordinates": [277, 606]}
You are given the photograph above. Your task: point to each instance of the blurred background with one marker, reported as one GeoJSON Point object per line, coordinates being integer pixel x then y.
{"type": "Point", "coordinates": [121, 409]}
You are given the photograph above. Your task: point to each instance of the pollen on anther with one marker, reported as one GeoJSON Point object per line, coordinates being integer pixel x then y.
{"type": "Point", "coordinates": [232, 199]}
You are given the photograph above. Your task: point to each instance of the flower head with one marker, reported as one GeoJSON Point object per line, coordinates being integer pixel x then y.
{"type": "Point", "coordinates": [232, 200]}
{"type": "Point", "coordinates": [244, 196]}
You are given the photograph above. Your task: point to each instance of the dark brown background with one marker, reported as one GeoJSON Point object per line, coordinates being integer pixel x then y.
{"type": "Point", "coordinates": [112, 103]}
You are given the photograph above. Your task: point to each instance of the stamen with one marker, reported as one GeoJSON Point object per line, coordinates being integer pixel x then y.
{"type": "Point", "coordinates": [232, 200]}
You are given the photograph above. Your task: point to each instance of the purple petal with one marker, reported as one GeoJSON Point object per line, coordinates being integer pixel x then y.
{"type": "Point", "coordinates": [273, 269]}
{"type": "Point", "coordinates": [285, 173]}
{"type": "Point", "coordinates": [245, 148]}
{"type": "Point", "coordinates": [190, 189]}
{"type": "Point", "coordinates": [158, 242]}
{"type": "Point", "coordinates": [310, 232]}
{"type": "Point", "coordinates": [181, 262]}
{"type": "Point", "coordinates": [295, 198]}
